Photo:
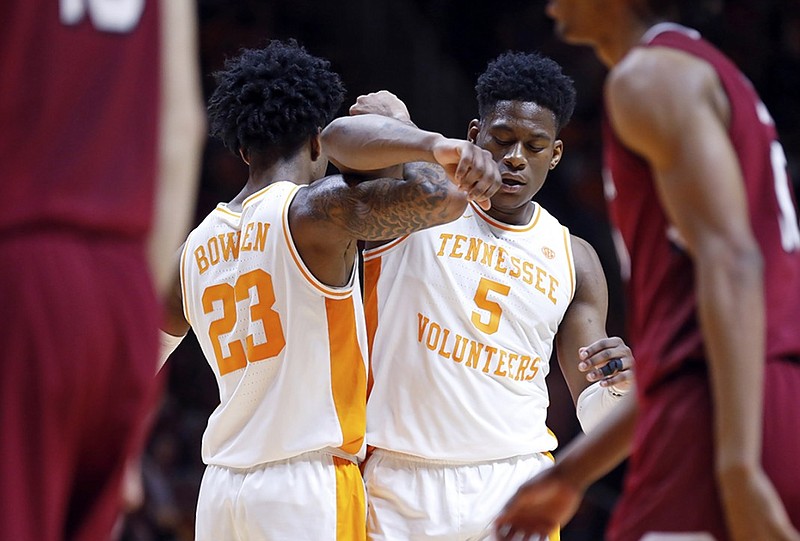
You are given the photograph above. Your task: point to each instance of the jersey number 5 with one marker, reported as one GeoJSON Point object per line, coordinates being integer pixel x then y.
{"type": "Point", "coordinates": [483, 302]}
{"type": "Point", "coordinates": [240, 353]}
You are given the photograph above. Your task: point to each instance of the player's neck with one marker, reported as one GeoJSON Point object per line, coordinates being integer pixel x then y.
{"type": "Point", "coordinates": [628, 35]}
{"type": "Point", "coordinates": [517, 216]}
{"type": "Point", "coordinates": [294, 169]}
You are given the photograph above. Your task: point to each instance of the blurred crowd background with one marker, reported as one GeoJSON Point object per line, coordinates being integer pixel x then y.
{"type": "Point", "coordinates": [429, 53]}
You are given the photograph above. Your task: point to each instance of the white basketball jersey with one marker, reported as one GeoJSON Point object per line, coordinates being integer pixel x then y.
{"type": "Point", "coordinates": [288, 352]}
{"type": "Point", "coordinates": [461, 319]}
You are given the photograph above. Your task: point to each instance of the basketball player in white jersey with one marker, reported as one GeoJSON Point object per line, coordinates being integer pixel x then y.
{"type": "Point", "coordinates": [269, 285]}
{"type": "Point", "coordinates": [463, 317]}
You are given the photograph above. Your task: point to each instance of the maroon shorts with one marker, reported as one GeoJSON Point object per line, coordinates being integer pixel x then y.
{"type": "Point", "coordinates": [670, 485]}
{"type": "Point", "coordinates": [78, 324]}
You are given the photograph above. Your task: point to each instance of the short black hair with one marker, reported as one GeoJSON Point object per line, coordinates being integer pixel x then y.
{"type": "Point", "coordinates": [274, 97]}
{"type": "Point", "coordinates": [517, 76]}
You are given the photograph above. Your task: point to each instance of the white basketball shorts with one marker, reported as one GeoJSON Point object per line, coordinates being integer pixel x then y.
{"type": "Point", "coordinates": [316, 496]}
{"type": "Point", "coordinates": [413, 499]}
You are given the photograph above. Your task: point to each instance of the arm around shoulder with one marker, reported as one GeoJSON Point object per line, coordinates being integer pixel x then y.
{"type": "Point", "coordinates": [370, 142]}
{"type": "Point", "coordinates": [439, 177]}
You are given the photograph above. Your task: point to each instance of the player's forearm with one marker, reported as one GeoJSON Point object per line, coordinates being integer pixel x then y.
{"type": "Point", "coordinates": [731, 306]}
{"type": "Point", "coordinates": [591, 456]}
{"type": "Point", "coordinates": [181, 136]}
{"type": "Point", "coordinates": [370, 142]}
{"type": "Point", "coordinates": [390, 208]}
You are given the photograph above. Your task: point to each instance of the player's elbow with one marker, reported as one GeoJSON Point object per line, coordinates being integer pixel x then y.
{"type": "Point", "coordinates": [455, 204]}
{"type": "Point", "coordinates": [740, 260]}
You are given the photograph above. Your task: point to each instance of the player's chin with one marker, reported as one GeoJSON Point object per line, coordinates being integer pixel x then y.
{"type": "Point", "coordinates": [508, 200]}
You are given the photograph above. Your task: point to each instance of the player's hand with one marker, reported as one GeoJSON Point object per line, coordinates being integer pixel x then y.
{"type": "Point", "coordinates": [539, 507]}
{"type": "Point", "coordinates": [382, 103]}
{"type": "Point", "coordinates": [132, 486]}
{"type": "Point", "coordinates": [609, 361]}
{"type": "Point", "coordinates": [753, 509]}
{"type": "Point", "coordinates": [470, 167]}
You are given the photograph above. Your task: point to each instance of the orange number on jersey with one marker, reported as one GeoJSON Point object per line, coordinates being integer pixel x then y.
{"type": "Point", "coordinates": [260, 310]}
{"type": "Point", "coordinates": [494, 309]}
{"type": "Point", "coordinates": [224, 325]}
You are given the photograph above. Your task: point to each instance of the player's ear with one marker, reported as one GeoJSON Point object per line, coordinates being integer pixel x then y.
{"type": "Point", "coordinates": [244, 156]}
{"type": "Point", "coordinates": [558, 151]}
{"type": "Point", "coordinates": [315, 146]}
{"type": "Point", "coordinates": [473, 129]}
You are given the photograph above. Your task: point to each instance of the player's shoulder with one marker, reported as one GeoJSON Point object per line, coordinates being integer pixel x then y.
{"type": "Point", "coordinates": [653, 72]}
{"type": "Point", "coordinates": [543, 216]}
{"type": "Point", "coordinates": [319, 189]}
{"type": "Point", "coordinates": [651, 93]}
{"type": "Point", "coordinates": [585, 257]}
{"type": "Point", "coordinates": [581, 247]}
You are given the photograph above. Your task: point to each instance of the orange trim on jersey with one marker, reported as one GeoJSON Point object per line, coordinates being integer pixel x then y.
{"type": "Point", "coordinates": [372, 271]}
{"type": "Point", "coordinates": [380, 250]}
{"type": "Point", "coordinates": [507, 227]}
{"type": "Point", "coordinates": [228, 211]}
{"type": "Point", "coordinates": [310, 278]}
{"type": "Point", "coordinates": [570, 264]}
{"type": "Point", "coordinates": [184, 297]}
{"type": "Point", "coordinates": [348, 374]}
{"type": "Point", "coordinates": [264, 190]}
{"type": "Point", "coordinates": [351, 505]}
{"type": "Point", "coordinates": [225, 210]}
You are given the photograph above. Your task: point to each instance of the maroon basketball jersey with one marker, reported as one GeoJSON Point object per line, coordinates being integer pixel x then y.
{"type": "Point", "coordinates": [662, 308]}
{"type": "Point", "coordinates": [79, 98]}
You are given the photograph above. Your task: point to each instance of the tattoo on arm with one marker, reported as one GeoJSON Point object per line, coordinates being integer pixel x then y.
{"type": "Point", "coordinates": [387, 208]}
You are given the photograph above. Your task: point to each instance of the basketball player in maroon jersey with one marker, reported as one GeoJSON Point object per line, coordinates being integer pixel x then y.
{"type": "Point", "coordinates": [700, 195]}
{"type": "Point", "coordinates": [85, 153]}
